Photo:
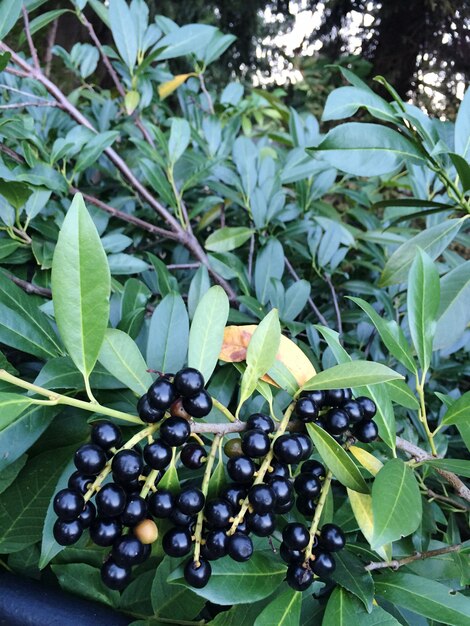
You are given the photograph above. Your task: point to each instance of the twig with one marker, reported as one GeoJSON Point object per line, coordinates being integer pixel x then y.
{"type": "Point", "coordinates": [29, 287]}
{"type": "Point", "coordinates": [437, 496]}
{"type": "Point", "coordinates": [210, 104]}
{"type": "Point", "coordinates": [20, 105]}
{"type": "Point", "coordinates": [32, 49]}
{"type": "Point", "coordinates": [51, 37]}
{"type": "Point", "coordinates": [183, 266]}
{"type": "Point", "coordinates": [312, 304]}
{"type": "Point", "coordinates": [250, 257]}
{"type": "Point", "coordinates": [419, 556]}
{"type": "Point", "coordinates": [335, 304]}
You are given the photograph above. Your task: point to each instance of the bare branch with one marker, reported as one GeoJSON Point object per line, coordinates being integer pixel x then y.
{"type": "Point", "coordinates": [312, 304]}
{"type": "Point", "coordinates": [29, 287]}
{"type": "Point", "coordinates": [21, 105]}
{"type": "Point", "coordinates": [32, 49]}
{"type": "Point", "coordinates": [419, 556]}
{"type": "Point", "coordinates": [210, 104]}
{"type": "Point", "coordinates": [51, 37]}
{"type": "Point", "coordinates": [335, 304]}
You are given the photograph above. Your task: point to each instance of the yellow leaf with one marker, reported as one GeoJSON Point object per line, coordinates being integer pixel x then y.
{"type": "Point", "coordinates": [361, 504]}
{"type": "Point", "coordinates": [131, 101]}
{"type": "Point", "coordinates": [367, 460]}
{"type": "Point", "coordinates": [237, 338]}
{"type": "Point", "coordinates": [166, 89]}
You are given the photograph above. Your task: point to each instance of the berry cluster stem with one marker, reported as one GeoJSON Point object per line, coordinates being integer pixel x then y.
{"type": "Point", "coordinates": [263, 468]}
{"type": "Point", "coordinates": [318, 512]}
{"type": "Point", "coordinates": [223, 409]}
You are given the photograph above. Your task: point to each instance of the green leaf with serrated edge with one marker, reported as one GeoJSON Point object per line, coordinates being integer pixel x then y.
{"type": "Point", "coordinates": [396, 503]}
{"type": "Point", "coordinates": [457, 466]}
{"type": "Point", "coordinates": [284, 610]}
{"type": "Point", "coordinates": [122, 358]}
{"type": "Point", "coordinates": [458, 412]}
{"type": "Point", "coordinates": [351, 575]}
{"type": "Point", "coordinates": [454, 306]}
{"type": "Point", "coordinates": [12, 405]}
{"type": "Point", "coordinates": [206, 335]}
{"type": "Point", "coordinates": [228, 238]}
{"type": "Point", "coordinates": [399, 393]}
{"type": "Point", "coordinates": [80, 287]}
{"type": "Point", "coordinates": [337, 459]}
{"type": "Point", "coordinates": [168, 600]}
{"type": "Point", "coordinates": [391, 334]}
{"type": "Point", "coordinates": [351, 374]}
{"type": "Point", "coordinates": [423, 303]}
{"type": "Point", "coordinates": [343, 609]}
{"type": "Point", "coordinates": [425, 597]}
{"type": "Point", "coordinates": [239, 583]}
{"type": "Point", "coordinates": [260, 354]}
{"type": "Point", "coordinates": [385, 417]}
{"type": "Point", "coordinates": [85, 580]}
{"type": "Point", "coordinates": [168, 335]}
{"type": "Point", "coordinates": [433, 241]}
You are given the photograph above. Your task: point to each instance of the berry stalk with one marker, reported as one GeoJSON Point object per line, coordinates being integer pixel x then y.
{"type": "Point", "coordinates": [316, 518]}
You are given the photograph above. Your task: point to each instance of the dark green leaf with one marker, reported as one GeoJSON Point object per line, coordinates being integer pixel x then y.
{"type": "Point", "coordinates": [228, 238]}
{"type": "Point", "coordinates": [457, 466]}
{"type": "Point", "coordinates": [454, 309]}
{"type": "Point", "coordinates": [85, 580]}
{"type": "Point", "coordinates": [284, 610]}
{"type": "Point", "coordinates": [168, 600]}
{"type": "Point", "coordinates": [9, 13]}
{"type": "Point", "coordinates": [351, 374]}
{"type": "Point", "coordinates": [345, 610]}
{"type": "Point", "coordinates": [124, 32]}
{"type": "Point", "coordinates": [458, 411]}
{"type": "Point", "coordinates": [168, 335]}
{"type": "Point", "coordinates": [351, 575]}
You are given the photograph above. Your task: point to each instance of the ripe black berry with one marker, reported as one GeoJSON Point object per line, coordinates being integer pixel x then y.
{"type": "Point", "coordinates": [68, 504]}
{"type": "Point", "coordinates": [114, 576]}
{"type": "Point", "coordinates": [282, 488]}
{"type": "Point", "coordinates": [241, 469]}
{"type": "Point", "coordinates": [296, 536]}
{"type": "Point", "coordinates": [368, 407]}
{"type": "Point", "coordinates": [366, 431]}
{"type": "Point", "coordinates": [278, 469]}
{"type": "Point", "coordinates": [284, 507]}
{"type": "Point", "coordinates": [336, 422]}
{"type": "Point", "coordinates": [197, 575]}
{"type": "Point", "coordinates": [332, 537]}
{"type": "Point", "coordinates": [255, 443]}
{"type": "Point", "coordinates": [161, 394]}
{"type": "Point", "coordinates": [323, 564]}
{"type": "Point", "coordinates": [218, 513]}
{"type": "Point", "coordinates": [148, 413]}
{"type": "Point", "coordinates": [110, 500]}
{"type": "Point", "coordinates": [157, 454]}
{"type": "Point", "coordinates": [198, 405]}
{"type": "Point", "coordinates": [178, 518]}
{"type": "Point", "coordinates": [193, 455]}
{"type": "Point", "coordinates": [106, 435]}
{"type": "Point", "coordinates": [290, 556]}
{"type": "Point", "coordinates": [316, 396]}
{"type": "Point", "coordinates": [128, 551]}
{"type": "Point", "coordinates": [234, 495]}
{"type": "Point", "coordinates": [313, 467]}
{"type": "Point", "coordinates": [306, 410]}
{"type": "Point", "coordinates": [240, 547]}
{"type": "Point", "coordinates": [306, 444]}
{"type": "Point", "coordinates": [354, 411]}
{"type": "Point", "coordinates": [190, 500]}
{"type": "Point", "coordinates": [127, 465]}
{"type": "Point", "coordinates": [67, 533]}
{"type": "Point", "coordinates": [104, 532]}
{"type": "Point", "coordinates": [287, 449]}
{"type": "Point", "coordinates": [307, 485]}
{"type": "Point", "coordinates": [79, 482]}
{"type": "Point", "coordinates": [260, 421]}
{"type": "Point", "coordinates": [135, 510]}
{"type": "Point", "coordinates": [90, 459]}
{"type": "Point", "coordinates": [334, 397]}
{"type": "Point", "coordinates": [261, 525]}
{"type": "Point", "coordinates": [347, 394]}
{"type": "Point", "coordinates": [188, 381]}
{"type": "Point", "coordinates": [88, 514]}
{"type": "Point", "coordinates": [306, 506]}
{"type": "Point", "coordinates": [216, 545]}
{"type": "Point", "coordinates": [176, 542]}
{"type": "Point", "coordinates": [161, 503]}
{"type": "Point", "coordinates": [175, 431]}
{"type": "Point", "coordinates": [262, 498]}
{"type": "Point", "coordinates": [298, 577]}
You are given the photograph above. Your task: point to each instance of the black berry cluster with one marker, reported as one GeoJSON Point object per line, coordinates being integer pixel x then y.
{"type": "Point", "coordinates": [339, 414]}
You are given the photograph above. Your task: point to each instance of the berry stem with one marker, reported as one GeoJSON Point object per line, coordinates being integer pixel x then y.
{"type": "Point", "coordinates": [263, 468]}
{"type": "Point", "coordinates": [223, 409]}
{"type": "Point", "coordinates": [204, 488]}
{"type": "Point", "coordinates": [150, 480]}
{"type": "Point", "coordinates": [318, 512]}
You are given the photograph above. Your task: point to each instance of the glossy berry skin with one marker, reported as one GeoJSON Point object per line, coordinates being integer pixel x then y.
{"type": "Point", "coordinates": [241, 469]}
{"type": "Point", "coordinates": [104, 532]}
{"type": "Point", "coordinates": [67, 533]}
{"type": "Point", "coordinates": [261, 525]}
{"type": "Point", "coordinates": [161, 394]}
{"type": "Point", "coordinates": [188, 381]}
{"type": "Point", "coordinates": [295, 536]}
{"type": "Point", "coordinates": [260, 421]}
{"type": "Point", "coordinates": [178, 518]}
{"type": "Point", "coordinates": [262, 498]}
{"type": "Point", "coordinates": [324, 564]}
{"type": "Point", "coordinates": [298, 577]}
{"type": "Point", "coordinates": [334, 397]}
{"type": "Point", "coordinates": [240, 547]}
{"type": "Point", "coordinates": [218, 513]}
{"type": "Point", "coordinates": [190, 500]}
{"type": "Point", "coordinates": [68, 504]}
{"type": "Point", "coordinates": [135, 510]}
{"type": "Point", "coordinates": [366, 431]}
{"type": "Point", "coordinates": [216, 545]}
{"type": "Point", "coordinates": [255, 443]}
{"type": "Point", "coordinates": [198, 405]}
{"type": "Point", "coordinates": [128, 551]}
{"type": "Point", "coordinates": [106, 435]}
{"type": "Point", "coordinates": [177, 409]}
{"type": "Point", "coordinates": [347, 394]}
{"type": "Point", "coordinates": [281, 487]}
{"type": "Point", "coordinates": [88, 515]}
{"type": "Point", "coordinates": [290, 556]}
{"type": "Point", "coordinates": [368, 407]}
{"type": "Point", "coordinates": [284, 507]}
{"type": "Point", "coordinates": [278, 469]}
{"type": "Point", "coordinates": [127, 465]}
{"type": "Point", "coordinates": [306, 444]}
{"type": "Point", "coordinates": [306, 410]}
{"type": "Point", "coordinates": [287, 449]}
{"type": "Point", "coordinates": [332, 538]}
{"type": "Point", "coordinates": [354, 411]}
{"type": "Point", "coordinates": [197, 576]}
{"type": "Point", "coordinates": [233, 448]}
{"type": "Point", "coordinates": [90, 459]}
{"type": "Point", "coordinates": [148, 413]}
{"type": "Point", "coordinates": [307, 485]}
{"type": "Point", "coordinates": [336, 422]}
{"type": "Point", "coordinates": [161, 503]}
{"type": "Point", "coordinates": [110, 500]}
{"type": "Point", "coordinates": [175, 431]}
{"type": "Point", "coordinates": [79, 482]}
{"type": "Point", "coordinates": [313, 467]}
{"type": "Point", "coordinates": [317, 396]}
{"type": "Point", "coordinates": [193, 455]}
{"type": "Point", "coordinates": [234, 495]}
{"type": "Point", "coordinates": [157, 454]}
{"type": "Point", "coordinates": [177, 542]}
{"type": "Point", "coordinates": [306, 506]}
{"type": "Point", "coordinates": [114, 576]}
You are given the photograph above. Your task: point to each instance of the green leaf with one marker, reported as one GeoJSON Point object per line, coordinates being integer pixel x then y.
{"type": "Point", "coordinates": [433, 241]}
{"type": "Point", "coordinates": [337, 459]}
{"type": "Point", "coordinates": [351, 374]}
{"type": "Point", "coordinates": [15, 193]}
{"type": "Point", "coordinates": [457, 466]}
{"type": "Point", "coordinates": [345, 610]}
{"type": "Point", "coordinates": [189, 39]}
{"type": "Point", "coordinates": [61, 373]}
{"type": "Point", "coordinates": [122, 358]}
{"type": "Point", "coordinates": [168, 600]}
{"type": "Point", "coordinates": [454, 309]}
{"type": "Point", "coordinates": [41, 21]}
{"type": "Point", "coordinates": [396, 503]}
{"type": "Point", "coordinates": [9, 13]}
{"type": "Point", "coordinates": [239, 583]}
{"type": "Point", "coordinates": [180, 135]}
{"type": "Point", "coordinates": [462, 168]}
{"type": "Point", "coordinates": [217, 480]}
{"type": "Point", "coordinates": [170, 478]}
{"type": "Point", "coordinates": [168, 335]}
{"type": "Point", "coordinates": [80, 287]}
{"type": "Point", "coordinates": [391, 334]}
{"type": "Point", "coordinates": [200, 284]}
{"type": "Point", "coordinates": [423, 304]}
{"type": "Point", "coordinates": [228, 238]}
{"type": "Point", "coordinates": [137, 597]}
{"type": "Point", "coordinates": [207, 331]}
{"type": "Point", "coordinates": [332, 339]}
{"type": "Point", "coordinates": [8, 476]}
{"type": "Point", "coordinates": [93, 149]}
{"type": "Point", "coordinates": [351, 575]}
{"type": "Point", "coordinates": [12, 405]}
{"type": "Point", "coordinates": [458, 411]}
{"type": "Point", "coordinates": [124, 32]}
{"type": "Point", "coordinates": [425, 597]}
{"type": "Point", "coordinates": [345, 101]}
{"type": "Point", "coordinates": [85, 580]}
{"type": "Point", "coordinates": [284, 610]}
{"type": "Point", "coordinates": [462, 128]}
{"type": "Point", "coordinates": [166, 283]}
{"type": "Point", "coordinates": [401, 394]}
{"type": "Point", "coordinates": [269, 264]}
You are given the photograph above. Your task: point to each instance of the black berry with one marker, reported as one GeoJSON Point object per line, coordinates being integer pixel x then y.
{"type": "Point", "coordinates": [148, 413]}
{"type": "Point", "coordinates": [68, 504]}
{"type": "Point", "coordinates": [306, 410]}
{"type": "Point", "coordinates": [178, 518]}
{"type": "Point", "coordinates": [354, 411]}
{"type": "Point", "coordinates": [336, 422]}
{"type": "Point", "coordinates": [366, 431]}
{"type": "Point", "coordinates": [307, 485]}
{"type": "Point", "coordinates": [287, 449]}
{"type": "Point", "coordinates": [334, 397]}
{"type": "Point", "coordinates": [157, 454]}
{"type": "Point", "coordinates": [296, 536]}
{"type": "Point", "coordinates": [262, 498]}
{"type": "Point", "coordinates": [176, 542]}
{"type": "Point", "coordinates": [290, 556]}
{"type": "Point", "coordinates": [306, 444]}
{"type": "Point", "coordinates": [193, 455]}
{"type": "Point", "coordinates": [106, 435]}
{"type": "Point", "coordinates": [255, 443]}
{"type": "Point", "coordinates": [234, 494]}
{"type": "Point", "coordinates": [128, 551]}
{"type": "Point", "coordinates": [198, 405]}
{"type": "Point", "coordinates": [135, 510]}
{"type": "Point", "coordinates": [282, 488]}
{"type": "Point", "coordinates": [110, 500]}
{"type": "Point", "coordinates": [218, 513]}
{"type": "Point", "coordinates": [114, 576]}
{"type": "Point", "coordinates": [188, 381]}
{"type": "Point", "coordinates": [104, 532]}
{"type": "Point", "coordinates": [161, 394]}
{"type": "Point", "coordinates": [88, 515]}
{"type": "Point", "coordinates": [322, 563]}
{"type": "Point", "coordinates": [127, 465]}
{"type": "Point", "coordinates": [161, 503]}
{"type": "Point", "coordinates": [67, 533]}
{"type": "Point", "coordinates": [332, 538]}
{"type": "Point", "coordinates": [313, 467]}
{"type": "Point", "coordinates": [240, 547]}
{"type": "Point", "coordinates": [298, 577]}
{"type": "Point", "coordinates": [368, 407]}
{"type": "Point", "coordinates": [90, 459]}
{"type": "Point", "coordinates": [190, 500]}
{"type": "Point", "coordinates": [261, 525]}
{"type": "Point", "coordinates": [79, 482]}
{"type": "Point", "coordinates": [306, 506]}
{"type": "Point", "coordinates": [175, 431]}
{"type": "Point", "coordinates": [260, 421]}
{"type": "Point", "coordinates": [197, 574]}
{"type": "Point", "coordinates": [216, 545]}
{"type": "Point", "coordinates": [241, 469]}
